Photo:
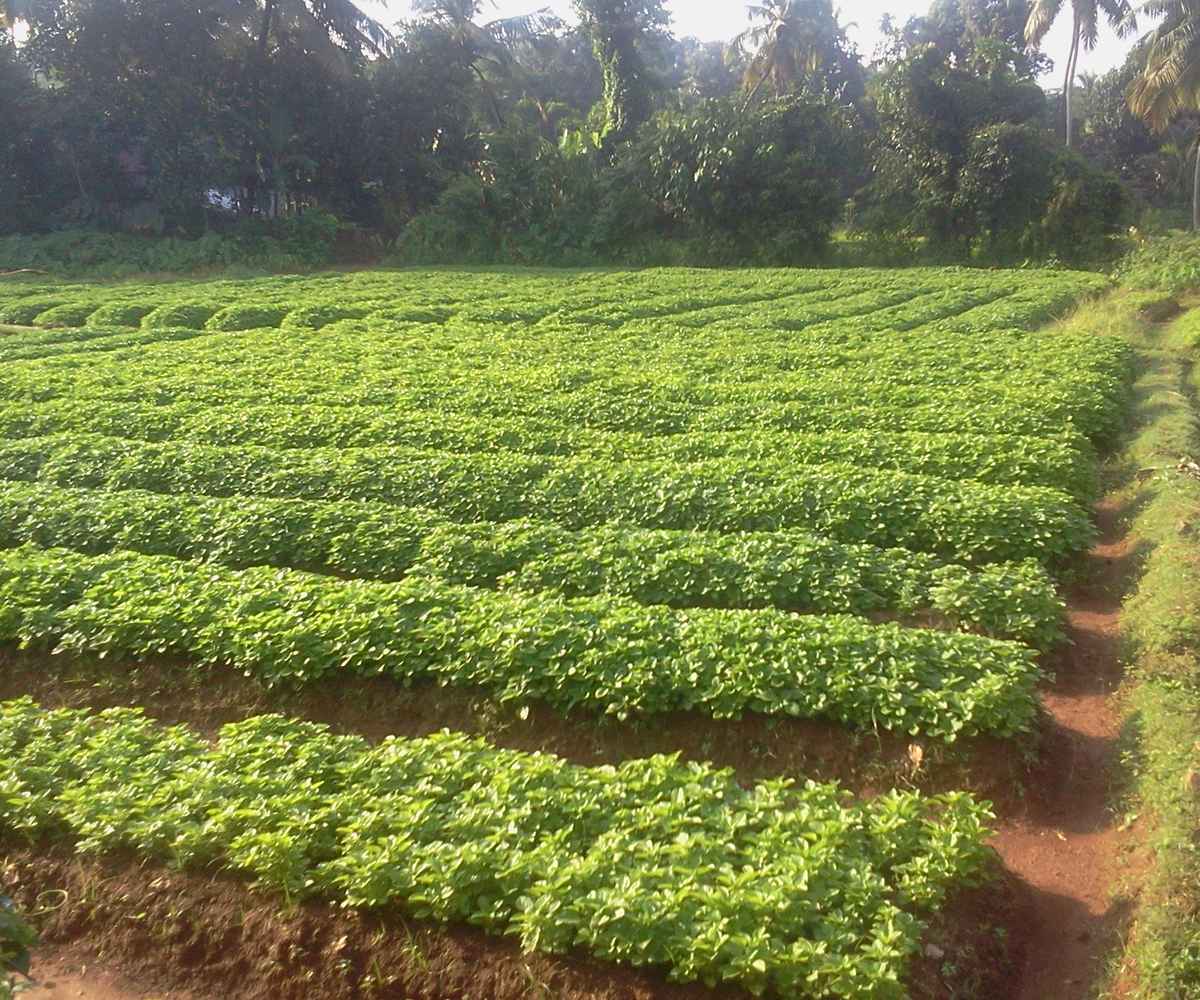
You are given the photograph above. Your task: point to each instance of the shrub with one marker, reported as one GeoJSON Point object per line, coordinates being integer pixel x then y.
{"type": "Point", "coordinates": [1165, 263]}
{"type": "Point", "coordinates": [293, 243]}
{"type": "Point", "coordinates": [74, 314]}
{"type": "Point", "coordinates": [120, 314]}
{"type": "Point", "coordinates": [187, 315]}
{"type": "Point", "coordinates": [246, 317]}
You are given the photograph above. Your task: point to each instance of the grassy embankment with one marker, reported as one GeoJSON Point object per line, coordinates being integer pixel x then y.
{"type": "Point", "coordinates": [1158, 783]}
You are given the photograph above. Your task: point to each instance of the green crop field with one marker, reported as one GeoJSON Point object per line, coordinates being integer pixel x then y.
{"type": "Point", "coordinates": [839, 495]}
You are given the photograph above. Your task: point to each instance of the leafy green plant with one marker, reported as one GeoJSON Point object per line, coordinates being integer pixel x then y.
{"type": "Point", "coordinates": [1065, 462]}
{"type": "Point", "coordinates": [606, 654]}
{"type": "Point", "coordinates": [190, 315]}
{"type": "Point", "coordinates": [789, 570]}
{"type": "Point", "coordinates": [72, 314]}
{"type": "Point", "coordinates": [303, 242]}
{"type": "Point", "coordinates": [823, 331]}
{"type": "Point", "coordinates": [632, 493]}
{"type": "Point", "coordinates": [1164, 263]}
{"type": "Point", "coordinates": [581, 454]}
{"type": "Point", "coordinates": [17, 940]}
{"type": "Point", "coordinates": [777, 887]}
{"type": "Point", "coordinates": [965, 521]}
{"type": "Point", "coordinates": [246, 317]}
{"type": "Point", "coordinates": [120, 314]}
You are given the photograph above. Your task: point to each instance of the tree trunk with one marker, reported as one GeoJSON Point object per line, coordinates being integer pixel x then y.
{"type": "Point", "coordinates": [259, 67]}
{"type": "Point", "coordinates": [264, 31]}
{"type": "Point", "coordinates": [1069, 84]}
{"type": "Point", "coordinates": [1196, 193]}
{"type": "Point", "coordinates": [766, 72]}
{"type": "Point", "coordinates": [627, 99]}
{"type": "Point", "coordinates": [491, 96]}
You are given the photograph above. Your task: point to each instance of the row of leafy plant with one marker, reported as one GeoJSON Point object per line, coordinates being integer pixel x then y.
{"type": "Point", "coordinates": [605, 654]}
{"type": "Point", "coordinates": [533, 297]}
{"type": "Point", "coordinates": [99, 340]}
{"type": "Point", "coordinates": [624, 410]}
{"type": "Point", "coordinates": [796, 340]}
{"type": "Point", "coordinates": [810, 364]}
{"type": "Point", "coordinates": [1066, 463]}
{"type": "Point", "coordinates": [919, 382]}
{"type": "Point", "coordinates": [790, 570]}
{"type": "Point", "coordinates": [656, 862]}
{"type": "Point", "coordinates": [965, 521]}
{"type": "Point", "coordinates": [831, 311]}
{"type": "Point", "coordinates": [180, 305]}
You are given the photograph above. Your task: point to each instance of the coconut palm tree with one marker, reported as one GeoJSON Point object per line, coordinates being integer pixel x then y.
{"type": "Point", "coordinates": [328, 28]}
{"type": "Point", "coordinates": [488, 45]}
{"type": "Point", "coordinates": [1170, 78]}
{"type": "Point", "coordinates": [788, 45]}
{"type": "Point", "coordinates": [1085, 32]}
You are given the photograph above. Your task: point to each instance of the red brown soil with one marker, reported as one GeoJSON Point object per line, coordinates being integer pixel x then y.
{"type": "Point", "coordinates": [1067, 845]}
{"type": "Point", "coordinates": [180, 933]}
{"type": "Point", "coordinates": [187, 936]}
{"type": "Point", "coordinates": [69, 976]}
{"type": "Point", "coordinates": [755, 746]}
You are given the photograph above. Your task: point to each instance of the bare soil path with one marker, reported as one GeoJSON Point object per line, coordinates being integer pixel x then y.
{"type": "Point", "coordinates": [65, 976]}
{"type": "Point", "coordinates": [1067, 845]}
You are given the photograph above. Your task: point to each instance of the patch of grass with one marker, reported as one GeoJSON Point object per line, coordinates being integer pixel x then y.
{"type": "Point", "coordinates": [1161, 696]}
{"type": "Point", "coordinates": [1162, 621]}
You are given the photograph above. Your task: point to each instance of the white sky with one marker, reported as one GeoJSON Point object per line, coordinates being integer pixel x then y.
{"type": "Point", "coordinates": [722, 19]}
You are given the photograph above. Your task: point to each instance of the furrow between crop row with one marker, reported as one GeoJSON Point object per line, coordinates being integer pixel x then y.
{"type": "Point", "coordinates": [791, 571]}
{"type": "Point", "coordinates": [604, 654]}
{"type": "Point", "coordinates": [963, 521]}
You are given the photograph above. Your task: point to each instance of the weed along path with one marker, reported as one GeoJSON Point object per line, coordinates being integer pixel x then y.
{"type": "Point", "coordinates": [1067, 845]}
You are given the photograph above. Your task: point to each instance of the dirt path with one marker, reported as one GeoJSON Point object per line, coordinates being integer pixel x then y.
{"type": "Point", "coordinates": [1068, 846]}
{"type": "Point", "coordinates": [65, 975]}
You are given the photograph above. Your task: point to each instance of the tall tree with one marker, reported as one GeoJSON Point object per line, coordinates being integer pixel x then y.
{"type": "Point", "coordinates": [333, 34]}
{"type": "Point", "coordinates": [1170, 78]}
{"type": "Point", "coordinates": [794, 44]}
{"type": "Point", "coordinates": [930, 112]}
{"type": "Point", "coordinates": [618, 29]}
{"type": "Point", "coordinates": [34, 177]}
{"type": "Point", "coordinates": [974, 33]}
{"type": "Point", "coordinates": [321, 23]}
{"type": "Point", "coordinates": [1085, 32]}
{"type": "Point", "coordinates": [490, 45]}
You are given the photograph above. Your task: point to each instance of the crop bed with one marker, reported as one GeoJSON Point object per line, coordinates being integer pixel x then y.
{"type": "Point", "coordinates": [834, 495]}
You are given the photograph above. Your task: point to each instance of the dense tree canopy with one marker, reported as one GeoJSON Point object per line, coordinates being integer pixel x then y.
{"type": "Point", "coordinates": [452, 137]}
{"type": "Point", "coordinates": [1169, 81]}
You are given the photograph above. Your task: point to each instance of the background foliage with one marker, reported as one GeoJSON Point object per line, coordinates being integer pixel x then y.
{"type": "Point", "coordinates": [529, 140]}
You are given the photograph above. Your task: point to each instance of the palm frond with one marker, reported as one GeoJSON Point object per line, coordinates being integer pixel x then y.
{"type": "Point", "coordinates": [1122, 17]}
{"type": "Point", "coordinates": [1042, 15]}
{"type": "Point", "coordinates": [526, 27]}
{"type": "Point", "coordinates": [1088, 18]}
{"type": "Point", "coordinates": [1170, 77]}
{"type": "Point", "coordinates": [351, 25]}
